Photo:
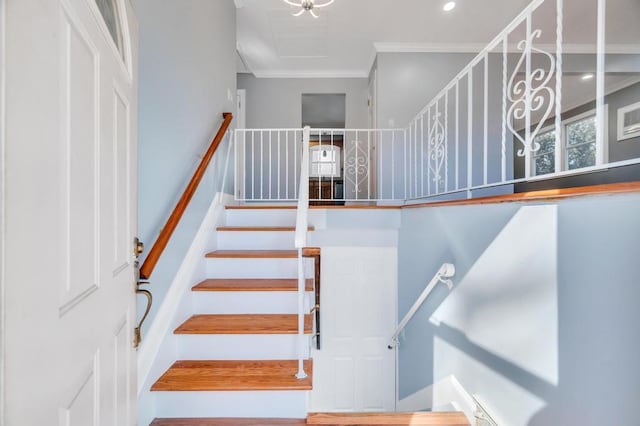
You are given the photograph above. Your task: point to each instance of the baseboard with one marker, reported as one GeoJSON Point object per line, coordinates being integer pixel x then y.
{"type": "Point", "coordinates": [182, 281]}
{"type": "Point", "coordinates": [442, 394]}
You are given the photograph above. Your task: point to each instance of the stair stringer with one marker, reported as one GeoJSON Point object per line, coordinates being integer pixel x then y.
{"type": "Point", "coordinates": [159, 349]}
{"type": "Point", "coordinates": [172, 347]}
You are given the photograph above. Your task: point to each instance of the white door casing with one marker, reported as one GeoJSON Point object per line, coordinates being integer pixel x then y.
{"type": "Point", "coordinates": [241, 98]}
{"type": "Point", "coordinates": [355, 371]}
{"type": "Point", "coordinates": [70, 215]}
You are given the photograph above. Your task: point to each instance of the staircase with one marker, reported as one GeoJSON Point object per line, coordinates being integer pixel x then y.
{"type": "Point", "coordinates": [238, 352]}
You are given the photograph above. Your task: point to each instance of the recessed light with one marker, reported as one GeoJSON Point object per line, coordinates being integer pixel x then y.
{"type": "Point", "coordinates": [449, 6]}
{"type": "Point", "coordinates": [587, 77]}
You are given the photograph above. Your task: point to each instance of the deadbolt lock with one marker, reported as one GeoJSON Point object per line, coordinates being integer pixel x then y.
{"type": "Point", "coordinates": [138, 247]}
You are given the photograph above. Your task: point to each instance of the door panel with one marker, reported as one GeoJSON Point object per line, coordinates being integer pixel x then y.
{"type": "Point", "coordinates": [70, 215]}
{"type": "Point", "coordinates": [354, 370]}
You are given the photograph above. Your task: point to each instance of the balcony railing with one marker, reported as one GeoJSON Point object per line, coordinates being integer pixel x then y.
{"type": "Point", "coordinates": [543, 100]}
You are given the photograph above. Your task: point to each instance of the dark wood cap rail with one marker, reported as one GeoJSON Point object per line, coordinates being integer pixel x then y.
{"type": "Point", "coordinates": [165, 235]}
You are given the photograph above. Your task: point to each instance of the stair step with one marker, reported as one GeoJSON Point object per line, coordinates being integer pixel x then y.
{"type": "Point", "coordinates": [252, 285]}
{"type": "Point", "coordinates": [422, 418]}
{"type": "Point", "coordinates": [260, 228]}
{"type": "Point", "coordinates": [228, 422]}
{"type": "Point", "coordinates": [234, 376]}
{"type": "Point", "coordinates": [244, 324]}
{"type": "Point", "coordinates": [253, 254]}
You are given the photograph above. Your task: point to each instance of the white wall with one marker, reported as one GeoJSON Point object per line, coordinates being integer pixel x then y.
{"type": "Point", "coordinates": [187, 71]}
{"type": "Point", "coordinates": [277, 102]}
{"type": "Point", "coordinates": [540, 325]}
{"type": "Point", "coordinates": [408, 81]}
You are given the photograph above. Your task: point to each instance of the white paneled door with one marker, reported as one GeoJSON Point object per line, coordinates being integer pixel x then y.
{"type": "Point", "coordinates": [70, 213]}
{"type": "Point", "coordinates": [354, 370]}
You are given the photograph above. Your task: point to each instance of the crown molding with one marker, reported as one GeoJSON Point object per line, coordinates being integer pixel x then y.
{"type": "Point", "coordinates": [574, 48]}
{"type": "Point", "coordinates": [310, 74]}
{"type": "Point", "coordinates": [382, 47]}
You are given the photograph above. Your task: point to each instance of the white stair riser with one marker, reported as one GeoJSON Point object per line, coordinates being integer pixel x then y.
{"type": "Point", "coordinates": [244, 347]}
{"type": "Point", "coordinates": [282, 404]}
{"type": "Point", "coordinates": [266, 217]}
{"type": "Point", "coordinates": [247, 302]}
{"type": "Point", "coordinates": [259, 240]}
{"type": "Point", "coordinates": [252, 268]}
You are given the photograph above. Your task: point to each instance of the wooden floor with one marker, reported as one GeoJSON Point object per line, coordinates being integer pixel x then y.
{"type": "Point", "coordinates": [228, 422]}
{"type": "Point", "coordinates": [234, 376]}
{"type": "Point", "coordinates": [251, 285]}
{"type": "Point", "coordinates": [423, 419]}
{"type": "Point", "coordinates": [260, 228]}
{"type": "Point", "coordinates": [334, 419]}
{"type": "Point", "coordinates": [244, 324]}
{"type": "Point", "coordinates": [253, 254]}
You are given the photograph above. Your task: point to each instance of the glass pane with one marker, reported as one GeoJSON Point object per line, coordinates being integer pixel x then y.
{"type": "Point", "coordinates": [545, 164]}
{"type": "Point", "coordinates": [547, 142]}
{"type": "Point", "coordinates": [109, 12]}
{"type": "Point", "coordinates": [581, 156]}
{"type": "Point", "coordinates": [583, 131]}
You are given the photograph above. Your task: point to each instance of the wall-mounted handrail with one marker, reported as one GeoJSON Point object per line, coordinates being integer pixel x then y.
{"type": "Point", "coordinates": [302, 225]}
{"type": "Point", "coordinates": [444, 275]}
{"type": "Point", "coordinates": [165, 235]}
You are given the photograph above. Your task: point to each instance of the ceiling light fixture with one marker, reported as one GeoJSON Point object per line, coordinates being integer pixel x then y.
{"type": "Point", "coordinates": [449, 6]}
{"type": "Point", "coordinates": [587, 77]}
{"type": "Point", "coordinates": [308, 6]}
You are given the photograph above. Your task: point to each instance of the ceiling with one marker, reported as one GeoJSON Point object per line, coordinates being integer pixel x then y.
{"type": "Point", "coordinates": [344, 40]}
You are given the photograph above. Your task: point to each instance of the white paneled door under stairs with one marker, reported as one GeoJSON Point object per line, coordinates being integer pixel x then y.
{"type": "Point", "coordinates": [237, 354]}
{"type": "Point", "coordinates": [354, 370]}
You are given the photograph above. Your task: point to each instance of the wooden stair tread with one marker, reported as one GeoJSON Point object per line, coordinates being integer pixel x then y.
{"type": "Point", "coordinates": [253, 254]}
{"type": "Point", "coordinates": [234, 376]}
{"type": "Point", "coordinates": [421, 418]}
{"type": "Point", "coordinates": [284, 284]}
{"type": "Point", "coordinates": [228, 422]}
{"type": "Point", "coordinates": [260, 228]}
{"type": "Point", "coordinates": [244, 324]}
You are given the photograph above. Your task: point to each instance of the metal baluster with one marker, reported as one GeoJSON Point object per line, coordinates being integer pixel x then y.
{"type": "Point", "coordinates": [558, 121]}
{"type": "Point", "coordinates": [446, 141]}
{"type": "Point", "coordinates": [486, 119]}
{"type": "Point", "coordinates": [457, 134]}
{"type": "Point", "coordinates": [470, 132]}
{"type": "Point", "coordinates": [505, 57]}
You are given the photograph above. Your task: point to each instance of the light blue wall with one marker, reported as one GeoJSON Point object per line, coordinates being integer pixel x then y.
{"type": "Point", "coordinates": [277, 102]}
{"type": "Point", "coordinates": [542, 322]}
{"type": "Point", "coordinates": [187, 70]}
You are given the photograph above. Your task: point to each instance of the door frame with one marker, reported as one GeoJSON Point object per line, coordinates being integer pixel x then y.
{"type": "Point", "coordinates": [241, 98]}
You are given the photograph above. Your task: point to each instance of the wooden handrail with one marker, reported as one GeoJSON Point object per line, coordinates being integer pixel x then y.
{"type": "Point", "coordinates": [165, 235]}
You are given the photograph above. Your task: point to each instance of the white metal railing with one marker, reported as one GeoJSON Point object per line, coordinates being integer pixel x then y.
{"type": "Point", "coordinates": [302, 226]}
{"type": "Point", "coordinates": [444, 275]}
{"type": "Point", "coordinates": [482, 130]}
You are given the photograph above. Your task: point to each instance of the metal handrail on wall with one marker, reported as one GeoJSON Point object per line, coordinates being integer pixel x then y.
{"type": "Point", "coordinates": [444, 275]}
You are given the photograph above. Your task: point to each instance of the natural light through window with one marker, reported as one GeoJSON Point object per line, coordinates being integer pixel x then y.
{"type": "Point", "coordinates": [578, 141]}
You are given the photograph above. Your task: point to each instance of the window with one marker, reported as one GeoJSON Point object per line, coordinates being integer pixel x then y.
{"type": "Point", "coordinates": [578, 145]}
{"type": "Point", "coordinates": [109, 11]}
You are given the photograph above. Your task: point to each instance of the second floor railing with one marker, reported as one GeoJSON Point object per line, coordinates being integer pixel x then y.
{"type": "Point", "coordinates": [555, 93]}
